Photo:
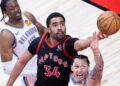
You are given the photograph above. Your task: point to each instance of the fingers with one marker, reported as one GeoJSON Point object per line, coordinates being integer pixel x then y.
{"type": "Point", "coordinates": [94, 41]}
{"type": "Point", "coordinates": [102, 36]}
{"type": "Point", "coordinates": [95, 34]}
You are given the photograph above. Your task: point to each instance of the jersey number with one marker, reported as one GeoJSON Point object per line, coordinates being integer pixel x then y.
{"type": "Point", "coordinates": [49, 73]}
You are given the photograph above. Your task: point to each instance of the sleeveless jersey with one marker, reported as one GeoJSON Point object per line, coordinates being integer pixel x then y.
{"type": "Point", "coordinates": [74, 82]}
{"type": "Point", "coordinates": [23, 37]}
{"type": "Point", "coordinates": [53, 64]}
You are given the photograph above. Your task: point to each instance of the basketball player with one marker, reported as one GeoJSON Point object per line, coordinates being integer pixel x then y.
{"type": "Point", "coordinates": [18, 32]}
{"type": "Point", "coordinates": [81, 76]}
{"type": "Point", "coordinates": [55, 51]}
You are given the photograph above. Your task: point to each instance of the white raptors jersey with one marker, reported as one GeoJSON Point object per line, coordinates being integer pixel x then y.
{"type": "Point", "coordinates": [23, 37]}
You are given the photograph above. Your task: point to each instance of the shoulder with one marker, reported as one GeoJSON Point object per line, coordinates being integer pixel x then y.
{"type": "Point", "coordinates": [36, 40]}
{"type": "Point", "coordinates": [68, 47]}
{"type": "Point", "coordinates": [8, 37]}
{"type": "Point", "coordinates": [70, 40]}
{"type": "Point", "coordinates": [33, 46]}
{"type": "Point", "coordinates": [41, 38]}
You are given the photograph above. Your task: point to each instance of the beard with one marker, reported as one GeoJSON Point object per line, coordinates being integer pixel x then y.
{"type": "Point", "coordinates": [60, 36]}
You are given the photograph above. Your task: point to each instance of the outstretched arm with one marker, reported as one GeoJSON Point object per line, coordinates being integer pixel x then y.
{"type": "Point", "coordinates": [96, 74]}
{"type": "Point", "coordinates": [19, 67]}
{"type": "Point", "coordinates": [39, 26]}
{"type": "Point", "coordinates": [85, 43]}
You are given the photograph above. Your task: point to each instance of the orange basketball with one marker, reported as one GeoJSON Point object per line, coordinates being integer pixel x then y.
{"type": "Point", "coordinates": [108, 22]}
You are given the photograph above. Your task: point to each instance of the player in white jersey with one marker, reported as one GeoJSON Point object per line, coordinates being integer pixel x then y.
{"type": "Point", "coordinates": [81, 76]}
{"type": "Point", "coordinates": [18, 32]}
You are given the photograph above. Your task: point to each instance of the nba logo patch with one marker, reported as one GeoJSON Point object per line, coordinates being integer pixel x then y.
{"type": "Point", "coordinates": [59, 48]}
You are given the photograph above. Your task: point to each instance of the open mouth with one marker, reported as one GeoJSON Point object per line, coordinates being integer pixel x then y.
{"type": "Point", "coordinates": [80, 76]}
{"type": "Point", "coordinates": [18, 14]}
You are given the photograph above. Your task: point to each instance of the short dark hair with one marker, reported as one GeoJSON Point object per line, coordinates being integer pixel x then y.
{"type": "Point", "coordinates": [81, 57]}
{"type": "Point", "coordinates": [3, 7]}
{"type": "Point", "coordinates": [52, 15]}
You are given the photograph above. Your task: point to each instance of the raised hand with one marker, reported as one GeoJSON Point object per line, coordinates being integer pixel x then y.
{"type": "Point", "coordinates": [94, 41]}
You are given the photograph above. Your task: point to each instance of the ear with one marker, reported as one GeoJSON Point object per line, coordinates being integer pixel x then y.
{"type": "Point", "coordinates": [88, 68]}
{"type": "Point", "coordinates": [72, 68]}
{"type": "Point", "coordinates": [48, 29]}
{"type": "Point", "coordinates": [5, 13]}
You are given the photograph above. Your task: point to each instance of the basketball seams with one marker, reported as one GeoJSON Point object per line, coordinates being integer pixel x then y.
{"type": "Point", "coordinates": [117, 23]}
{"type": "Point", "coordinates": [107, 30]}
{"type": "Point", "coordinates": [100, 17]}
{"type": "Point", "coordinates": [102, 22]}
{"type": "Point", "coordinates": [99, 23]}
{"type": "Point", "coordinates": [108, 22]}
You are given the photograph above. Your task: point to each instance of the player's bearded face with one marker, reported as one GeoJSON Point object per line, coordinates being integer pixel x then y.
{"type": "Point", "coordinates": [57, 28]}
{"type": "Point", "coordinates": [59, 35]}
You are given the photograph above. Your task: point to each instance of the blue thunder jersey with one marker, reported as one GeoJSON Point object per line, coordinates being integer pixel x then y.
{"type": "Point", "coordinates": [22, 38]}
{"type": "Point", "coordinates": [53, 64]}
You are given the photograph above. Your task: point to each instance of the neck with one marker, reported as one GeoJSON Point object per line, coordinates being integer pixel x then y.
{"type": "Point", "coordinates": [15, 23]}
{"type": "Point", "coordinates": [51, 40]}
